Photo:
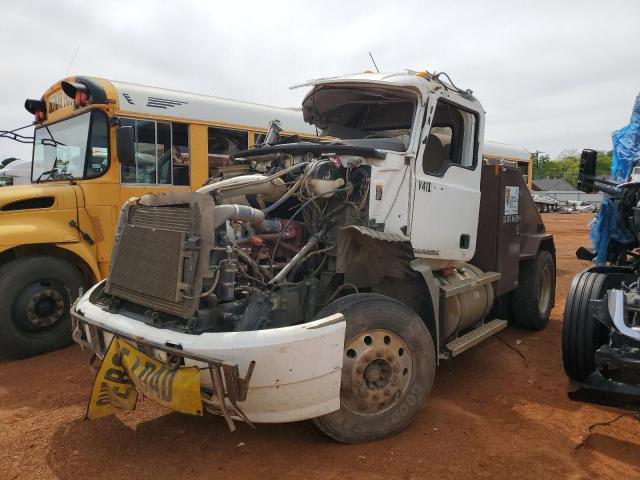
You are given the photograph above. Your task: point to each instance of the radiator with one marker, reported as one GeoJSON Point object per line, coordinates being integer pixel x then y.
{"type": "Point", "coordinates": [150, 258]}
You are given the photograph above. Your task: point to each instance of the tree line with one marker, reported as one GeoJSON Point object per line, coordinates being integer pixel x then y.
{"type": "Point", "coordinates": [567, 165]}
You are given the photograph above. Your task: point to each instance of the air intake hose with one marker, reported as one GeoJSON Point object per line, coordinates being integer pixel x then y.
{"type": "Point", "coordinates": [239, 213]}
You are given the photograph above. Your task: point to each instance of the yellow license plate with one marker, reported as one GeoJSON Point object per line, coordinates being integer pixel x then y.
{"type": "Point", "coordinates": [126, 371]}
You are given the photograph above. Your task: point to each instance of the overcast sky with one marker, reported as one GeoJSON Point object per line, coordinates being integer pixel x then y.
{"type": "Point", "coordinates": [552, 75]}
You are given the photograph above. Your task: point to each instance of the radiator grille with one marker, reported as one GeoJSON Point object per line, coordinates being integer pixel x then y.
{"type": "Point", "coordinates": [147, 264]}
{"type": "Point", "coordinates": [169, 218]}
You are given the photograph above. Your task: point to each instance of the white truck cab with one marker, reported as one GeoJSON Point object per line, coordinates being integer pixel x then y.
{"type": "Point", "coordinates": [323, 279]}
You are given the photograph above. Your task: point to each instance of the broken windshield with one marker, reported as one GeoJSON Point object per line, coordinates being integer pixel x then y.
{"type": "Point", "coordinates": [382, 117]}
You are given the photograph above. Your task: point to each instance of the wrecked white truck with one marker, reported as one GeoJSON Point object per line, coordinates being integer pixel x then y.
{"type": "Point", "coordinates": [327, 279]}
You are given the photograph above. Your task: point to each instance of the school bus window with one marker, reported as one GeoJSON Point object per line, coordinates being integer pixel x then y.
{"type": "Point", "coordinates": [222, 143]}
{"type": "Point", "coordinates": [258, 138]}
{"type": "Point", "coordinates": [180, 157]}
{"type": "Point", "coordinates": [161, 153]}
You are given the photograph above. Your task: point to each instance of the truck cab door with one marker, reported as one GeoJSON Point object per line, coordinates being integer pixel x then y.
{"type": "Point", "coordinates": [446, 193]}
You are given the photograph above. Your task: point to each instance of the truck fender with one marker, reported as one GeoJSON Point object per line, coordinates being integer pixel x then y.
{"type": "Point", "coordinates": [533, 243]}
{"type": "Point", "coordinates": [420, 266]}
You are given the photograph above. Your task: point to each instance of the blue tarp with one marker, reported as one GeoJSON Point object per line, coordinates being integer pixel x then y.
{"type": "Point", "coordinates": [626, 146]}
{"type": "Point", "coordinates": [608, 225]}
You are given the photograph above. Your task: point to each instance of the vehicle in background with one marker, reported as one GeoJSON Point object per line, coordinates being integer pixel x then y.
{"type": "Point", "coordinates": [15, 172]}
{"type": "Point", "coordinates": [56, 234]}
{"type": "Point", "coordinates": [512, 154]}
{"type": "Point", "coordinates": [601, 327]}
{"type": "Point", "coordinates": [545, 203]}
{"type": "Point", "coordinates": [329, 279]}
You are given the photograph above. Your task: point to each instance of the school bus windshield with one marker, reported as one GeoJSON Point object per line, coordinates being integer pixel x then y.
{"type": "Point", "coordinates": [74, 148]}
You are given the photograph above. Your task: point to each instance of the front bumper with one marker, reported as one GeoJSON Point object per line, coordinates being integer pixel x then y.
{"type": "Point", "coordinates": [296, 370]}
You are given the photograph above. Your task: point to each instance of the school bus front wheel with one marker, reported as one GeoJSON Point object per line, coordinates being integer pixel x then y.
{"type": "Point", "coordinates": [36, 293]}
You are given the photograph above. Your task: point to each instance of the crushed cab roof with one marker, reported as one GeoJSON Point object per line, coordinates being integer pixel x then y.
{"type": "Point", "coordinates": [424, 82]}
{"type": "Point", "coordinates": [407, 78]}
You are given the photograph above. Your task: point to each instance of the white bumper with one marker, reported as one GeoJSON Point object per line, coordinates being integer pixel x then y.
{"type": "Point", "coordinates": [297, 369]}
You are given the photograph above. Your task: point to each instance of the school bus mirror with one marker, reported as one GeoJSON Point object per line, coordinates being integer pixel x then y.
{"type": "Point", "coordinates": [125, 146]}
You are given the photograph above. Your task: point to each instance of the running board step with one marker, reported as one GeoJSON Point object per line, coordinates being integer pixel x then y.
{"type": "Point", "coordinates": [474, 337]}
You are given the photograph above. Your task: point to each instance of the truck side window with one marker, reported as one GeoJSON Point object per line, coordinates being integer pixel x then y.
{"type": "Point", "coordinates": [222, 143]}
{"type": "Point", "coordinates": [161, 153]}
{"type": "Point", "coordinates": [451, 140]}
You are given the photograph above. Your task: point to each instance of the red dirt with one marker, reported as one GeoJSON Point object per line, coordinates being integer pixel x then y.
{"type": "Point", "coordinates": [489, 416]}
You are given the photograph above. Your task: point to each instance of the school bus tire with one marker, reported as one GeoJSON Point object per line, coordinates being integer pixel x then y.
{"type": "Point", "coordinates": [36, 293]}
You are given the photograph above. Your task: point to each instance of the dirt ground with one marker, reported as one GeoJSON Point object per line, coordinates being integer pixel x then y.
{"type": "Point", "coordinates": [489, 416]}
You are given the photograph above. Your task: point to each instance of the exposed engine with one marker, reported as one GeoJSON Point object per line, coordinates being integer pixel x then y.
{"type": "Point", "coordinates": [268, 236]}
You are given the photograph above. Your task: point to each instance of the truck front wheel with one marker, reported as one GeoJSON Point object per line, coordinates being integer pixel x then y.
{"type": "Point", "coordinates": [388, 368]}
{"type": "Point", "coordinates": [36, 294]}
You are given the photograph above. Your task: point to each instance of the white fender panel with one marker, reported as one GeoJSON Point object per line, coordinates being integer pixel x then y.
{"type": "Point", "coordinates": [297, 372]}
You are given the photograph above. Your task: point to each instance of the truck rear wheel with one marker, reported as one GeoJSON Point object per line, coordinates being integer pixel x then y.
{"type": "Point", "coordinates": [582, 334]}
{"type": "Point", "coordinates": [534, 297]}
{"type": "Point", "coordinates": [388, 368]}
{"type": "Point", "coordinates": [37, 293]}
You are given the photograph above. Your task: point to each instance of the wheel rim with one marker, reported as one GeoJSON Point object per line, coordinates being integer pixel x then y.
{"type": "Point", "coordinates": [376, 371]}
{"type": "Point", "coordinates": [544, 289]}
{"type": "Point", "coordinates": [40, 306]}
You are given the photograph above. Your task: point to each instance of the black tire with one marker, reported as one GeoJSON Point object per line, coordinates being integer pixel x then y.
{"type": "Point", "coordinates": [582, 334]}
{"type": "Point", "coordinates": [535, 296]}
{"type": "Point", "coordinates": [388, 401]}
{"type": "Point", "coordinates": [36, 294]}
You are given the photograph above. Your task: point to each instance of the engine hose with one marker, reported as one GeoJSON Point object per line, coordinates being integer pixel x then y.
{"type": "Point", "coordinates": [213, 187]}
{"type": "Point", "coordinates": [297, 268]}
{"type": "Point", "coordinates": [249, 260]}
{"type": "Point", "coordinates": [208, 292]}
{"type": "Point", "coordinates": [242, 213]}
{"type": "Point", "coordinates": [295, 214]}
{"type": "Point", "coordinates": [286, 196]}
{"type": "Point", "coordinates": [311, 244]}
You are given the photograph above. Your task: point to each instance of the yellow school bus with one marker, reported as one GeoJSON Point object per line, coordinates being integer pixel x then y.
{"type": "Point", "coordinates": [510, 153]}
{"type": "Point", "coordinates": [56, 233]}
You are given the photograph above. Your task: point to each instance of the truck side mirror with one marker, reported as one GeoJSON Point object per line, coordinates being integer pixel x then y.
{"type": "Point", "coordinates": [587, 171]}
{"type": "Point", "coordinates": [125, 145]}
